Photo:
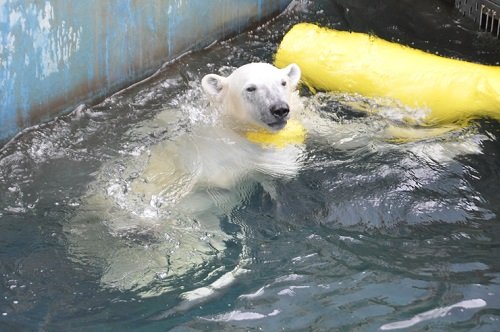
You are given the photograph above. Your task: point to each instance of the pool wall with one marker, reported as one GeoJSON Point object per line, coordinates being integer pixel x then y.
{"type": "Point", "coordinates": [57, 54]}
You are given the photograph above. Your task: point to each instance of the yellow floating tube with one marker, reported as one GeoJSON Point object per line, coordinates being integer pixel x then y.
{"type": "Point", "coordinates": [452, 91]}
{"type": "Point", "coordinates": [293, 133]}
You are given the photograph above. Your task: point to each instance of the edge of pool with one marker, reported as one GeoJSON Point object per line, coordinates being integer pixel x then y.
{"type": "Point", "coordinates": [57, 54]}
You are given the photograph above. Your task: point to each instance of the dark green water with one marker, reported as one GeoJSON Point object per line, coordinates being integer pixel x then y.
{"type": "Point", "coordinates": [367, 236]}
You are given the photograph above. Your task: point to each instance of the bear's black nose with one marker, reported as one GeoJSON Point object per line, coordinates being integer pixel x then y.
{"type": "Point", "coordinates": [280, 111]}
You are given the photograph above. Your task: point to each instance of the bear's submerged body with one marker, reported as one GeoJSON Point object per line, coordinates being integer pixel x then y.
{"type": "Point", "coordinates": [157, 215]}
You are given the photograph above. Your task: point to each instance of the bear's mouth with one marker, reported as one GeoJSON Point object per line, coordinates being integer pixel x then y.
{"type": "Point", "coordinates": [277, 125]}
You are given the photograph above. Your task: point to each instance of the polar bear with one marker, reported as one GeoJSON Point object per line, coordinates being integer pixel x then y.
{"type": "Point", "coordinates": [256, 94]}
{"type": "Point", "coordinates": [150, 218]}
{"type": "Point", "coordinates": [255, 99]}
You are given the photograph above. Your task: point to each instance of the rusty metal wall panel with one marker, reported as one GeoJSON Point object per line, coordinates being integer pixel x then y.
{"type": "Point", "coordinates": [55, 54]}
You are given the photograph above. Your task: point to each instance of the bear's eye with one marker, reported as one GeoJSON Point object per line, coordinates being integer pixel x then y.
{"type": "Point", "coordinates": [251, 88]}
{"type": "Point", "coordinates": [283, 83]}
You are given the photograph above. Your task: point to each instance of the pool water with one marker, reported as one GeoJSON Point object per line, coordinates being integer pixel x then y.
{"type": "Point", "coordinates": [366, 233]}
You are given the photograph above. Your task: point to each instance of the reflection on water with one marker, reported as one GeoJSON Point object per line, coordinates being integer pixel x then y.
{"type": "Point", "coordinates": [366, 231]}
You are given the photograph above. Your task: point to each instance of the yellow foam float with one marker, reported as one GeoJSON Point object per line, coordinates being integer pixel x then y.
{"type": "Point", "coordinates": [452, 91]}
{"type": "Point", "coordinates": [293, 133]}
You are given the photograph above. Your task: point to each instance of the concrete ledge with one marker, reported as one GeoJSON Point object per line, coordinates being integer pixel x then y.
{"type": "Point", "coordinates": [56, 54]}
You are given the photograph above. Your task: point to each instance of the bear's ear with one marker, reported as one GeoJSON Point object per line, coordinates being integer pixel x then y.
{"type": "Point", "coordinates": [293, 72]}
{"type": "Point", "coordinates": [214, 85]}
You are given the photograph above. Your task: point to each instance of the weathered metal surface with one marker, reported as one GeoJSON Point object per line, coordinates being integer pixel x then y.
{"type": "Point", "coordinates": [55, 54]}
{"type": "Point", "coordinates": [486, 13]}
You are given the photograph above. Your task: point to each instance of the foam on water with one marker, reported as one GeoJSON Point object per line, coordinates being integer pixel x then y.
{"type": "Point", "coordinates": [434, 313]}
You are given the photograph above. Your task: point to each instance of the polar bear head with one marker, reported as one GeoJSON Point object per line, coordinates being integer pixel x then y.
{"type": "Point", "coordinates": [256, 94]}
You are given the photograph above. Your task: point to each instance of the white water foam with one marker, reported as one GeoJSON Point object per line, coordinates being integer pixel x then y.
{"type": "Point", "coordinates": [433, 314]}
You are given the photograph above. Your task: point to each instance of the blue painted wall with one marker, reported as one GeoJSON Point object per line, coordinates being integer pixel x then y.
{"type": "Point", "coordinates": [56, 54]}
